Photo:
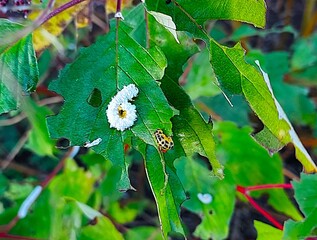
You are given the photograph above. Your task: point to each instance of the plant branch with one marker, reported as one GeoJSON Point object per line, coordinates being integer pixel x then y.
{"type": "Point", "coordinates": [31, 199]}
{"type": "Point", "coordinates": [12, 38]}
{"type": "Point", "coordinates": [21, 116]}
{"type": "Point", "coordinates": [268, 216]}
{"type": "Point", "coordinates": [118, 5]}
{"type": "Point", "coordinates": [10, 236]}
{"type": "Point", "coordinates": [15, 151]}
{"type": "Point", "coordinates": [269, 186]}
{"type": "Point", "coordinates": [61, 9]}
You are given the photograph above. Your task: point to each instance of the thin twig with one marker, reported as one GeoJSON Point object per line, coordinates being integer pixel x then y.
{"type": "Point", "coordinates": [23, 169]}
{"type": "Point", "coordinates": [61, 9]}
{"type": "Point", "coordinates": [49, 101]}
{"type": "Point", "coordinates": [21, 116]}
{"type": "Point", "coordinates": [69, 154]}
{"type": "Point", "coordinates": [27, 30]}
{"type": "Point", "coordinates": [290, 175]}
{"type": "Point", "coordinates": [15, 151]}
{"type": "Point", "coordinates": [147, 31]}
{"type": "Point", "coordinates": [12, 121]}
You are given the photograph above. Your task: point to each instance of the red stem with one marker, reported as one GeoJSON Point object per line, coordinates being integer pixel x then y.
{"type": "Point", "coordinates": [9, 236]}
{"type": "Point", "coordinates": [245, 190]}
{"type": "Point", "coordinates": [269, 186]}
{"type": "Point", "coordinates": [61, 9]}
{"type": "Point", "coordinates": [263, 212]}
{"type": "Point", "coordinates": [118, 5]}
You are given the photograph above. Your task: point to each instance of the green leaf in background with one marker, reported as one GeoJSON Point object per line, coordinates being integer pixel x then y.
{"type": "Point", "coordinates": [216, 213]}
{"type": "Point", "coordinates": [306, 193]}
{"type": "Point", "coordinates": [111, 66]}
{"type": "Point", "coordinates": [187, 15]}
{"type": "Point", "coordinates": [201, 80]}
{"type": "Point", "coordinates": [244, 31]}
{"type": "Point", "coordinates": [303, 229]}
{"type": "Point", "coordinates": [305, 53]}
{"type": "Point", "coordinates": [266, 231]}
{"type": "Point", "coordinates": [18, 67]}
{"type": "Point", "coordinates": [54, 217]}
{"type": "Point", "coordinates": [220, 105]}
{"type": "Point", "coordinates": [103, 230]}
{"type": "Point", "coordinates": [128, 212]}
{"type": "Point", "coordinates": [251, 165]}
{"type": "Point", "coordinates": [143, 232]}
{"type": "Point", "coordinates": [89, 212]}
{"type": "Point", "coordinates": [39, 140]}
{"type": "Point", "coordinates": [304, 61]}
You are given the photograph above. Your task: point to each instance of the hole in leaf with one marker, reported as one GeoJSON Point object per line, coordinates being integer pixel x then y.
{"type": "Point", "coordinates": [63, 143]}
{"type": "Point", "coordinates": [95, 98]}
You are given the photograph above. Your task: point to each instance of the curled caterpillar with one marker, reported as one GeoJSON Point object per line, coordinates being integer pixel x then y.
{"type": "Point", "coordinates": [121, 113]}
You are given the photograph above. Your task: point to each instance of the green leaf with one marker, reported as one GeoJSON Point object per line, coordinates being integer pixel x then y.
{"type": "Point", "coordinates": [88, 211]}
{"type": "Point", "coordinates": [306, 193]}
{"type": "Point", "coordinates": [245, 159]}
{"type": "Point", "coordinates": [266, 231]}
{"type": "Point", "coordinates": [239, 113]}
{"type": "Point", "coordinates": [127, 213]}
{"type": "Point", "coordinates": [39, 140]}
{"type": "Point", "coordinates": [238, 77]}
{"type": "Point", "coordinates": [143, 232]}
{"type": "Point", "coordinates": [244, 31]}
{"type": "Point", "coordinates": [233, 73]}
{"type": "Point", "coordinates": [293, 99]}
{"type": "Point", "coordinates": [112, 65]}
{"type": "Point", "coordinates": [194, 134]}
{"type": "Point", "coordinates": [305, 53]}
{"type": "Point", "coordinates": [301, 230]}
{"type": "Point", "coordinates": [103, 230]}
{"type": "Point", "coordinates": [18, 67]}
{"type": "Point", "coordinates": [54, 218]}
{"type": "Point", "coordinates": [7, 27]}
{"type": "Point", "coordinates": [168, 192]}
{"type": "Point", "coordinates": [167, 22]}
{"type": "Point", "coordinates": [201, 80]}
{"type": "Point", "coordinates": [215, 214]}
{"type": "Point", "coordinates": [188, 16]}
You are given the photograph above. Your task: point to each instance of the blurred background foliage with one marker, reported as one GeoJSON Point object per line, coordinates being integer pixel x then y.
{"type": "Point", "coordinates": [82, 201]}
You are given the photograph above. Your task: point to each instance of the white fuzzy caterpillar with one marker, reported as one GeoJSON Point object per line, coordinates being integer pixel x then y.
{"type": "Point", "coordinates": [121, 113]}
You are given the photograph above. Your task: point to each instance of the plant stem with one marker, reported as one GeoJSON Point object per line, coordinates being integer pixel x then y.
{"type": "Point", "coordinates": [146, 18]}
{"type": "Point", "coordinates": [69, 154]}
{"type": "Point", "coordinates": [263, 212]}
{"type": "Point", "coordinates": [118, 5]}
{"type": "Point", "coordinates": [245, 190]}
{"type": "Point", "coordinates": [268, 186]}
{"type": "Point", "coordinates": [12, 38]}
{"type": "Point", "coordinates": [61, 9]}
